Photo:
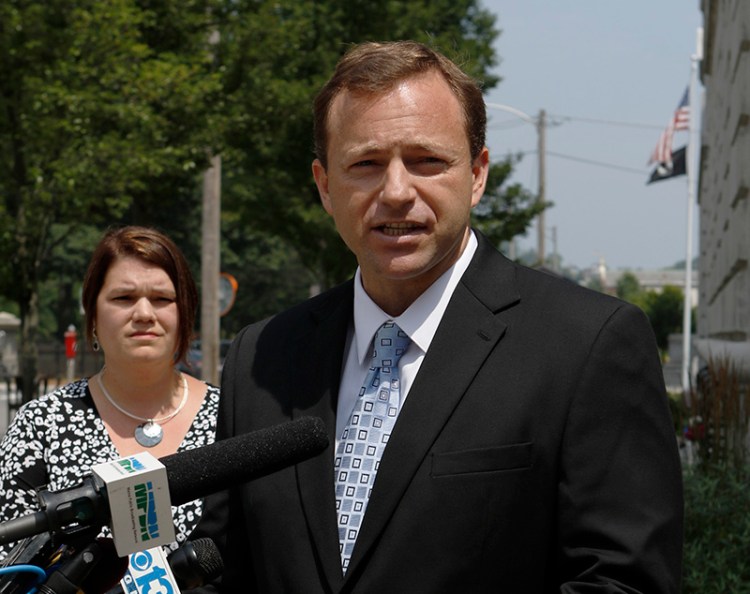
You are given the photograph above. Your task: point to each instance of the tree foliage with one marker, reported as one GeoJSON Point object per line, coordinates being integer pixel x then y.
{"type": "Point", "coordinates": [664, 308]}
{"type": "Point", "coordinates": [110, 108]}
{"type": "Point", "coordinates": [101, 100]}
{"type": "Point", "coordinates": [629, 288]}
{"type": "Point", "coordinates": [505, 211]}
{"type": "Point", "coordinates": [274, 57]}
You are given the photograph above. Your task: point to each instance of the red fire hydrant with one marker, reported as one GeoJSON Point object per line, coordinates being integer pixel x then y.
{"type": "Point", "coordinates": [71, 347]}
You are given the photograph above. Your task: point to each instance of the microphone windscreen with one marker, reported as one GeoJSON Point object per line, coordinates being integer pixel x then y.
{"type": "Point", "coordinates": [196, 563]}
{"type": "Point", "coordinates": [202, 471]}
{"type": "Point", "coordinates": [208, 557]}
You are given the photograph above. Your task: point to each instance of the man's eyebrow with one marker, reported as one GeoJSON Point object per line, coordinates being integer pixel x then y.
{"type": "Point", "coordinates": [415, 146]}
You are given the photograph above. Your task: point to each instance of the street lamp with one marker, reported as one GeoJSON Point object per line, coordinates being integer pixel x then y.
{"type": "Point", "coordinates": [540, 123]}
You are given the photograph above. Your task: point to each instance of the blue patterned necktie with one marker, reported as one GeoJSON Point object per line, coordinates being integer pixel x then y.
{"type": "Point", "coordinates": [366, 434]}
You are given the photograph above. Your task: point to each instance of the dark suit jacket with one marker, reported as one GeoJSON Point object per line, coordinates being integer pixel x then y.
{"type": "Point", "coordinates": [535, 452]}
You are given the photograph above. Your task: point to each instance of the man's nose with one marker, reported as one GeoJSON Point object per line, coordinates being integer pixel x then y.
{"type": "Point", "coordinates": [397, 183]}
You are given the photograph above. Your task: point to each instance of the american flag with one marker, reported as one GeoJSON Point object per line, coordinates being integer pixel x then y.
{"type": "Point", "coordinates": [680, 121]}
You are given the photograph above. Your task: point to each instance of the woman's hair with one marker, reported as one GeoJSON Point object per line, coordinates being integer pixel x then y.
{"type": "Point", "coordinates": [152, 247]}
{"type": "Point", "coordinates": [373, 68]}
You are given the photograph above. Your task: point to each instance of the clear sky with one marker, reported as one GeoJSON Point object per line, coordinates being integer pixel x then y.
{"type": "Point", "coordinates": [623, 62]}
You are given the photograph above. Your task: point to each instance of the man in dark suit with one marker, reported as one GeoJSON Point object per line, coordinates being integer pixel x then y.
{"type": "Point", "coordinates": [533, 449]}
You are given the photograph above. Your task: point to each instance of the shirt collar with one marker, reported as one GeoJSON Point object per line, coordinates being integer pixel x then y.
{"type": "Point", "coordinates": [421, 318]}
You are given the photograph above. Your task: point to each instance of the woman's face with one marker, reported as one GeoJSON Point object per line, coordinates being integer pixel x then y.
{"type": "Point", "coordinates": [137, 319]}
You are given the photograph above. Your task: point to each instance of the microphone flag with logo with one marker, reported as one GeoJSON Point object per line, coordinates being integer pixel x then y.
{"type": "Point", "coordinates": [138, 490]}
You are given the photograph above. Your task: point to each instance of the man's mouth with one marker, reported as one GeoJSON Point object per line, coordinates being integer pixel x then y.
{"type": "Point", "coordinates": [396, 229]}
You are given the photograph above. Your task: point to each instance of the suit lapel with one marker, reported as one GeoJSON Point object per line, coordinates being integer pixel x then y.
{"type": "Point", "coordinates": [470, 324]}
{"type": "Point", "coordinates": [321, 368]}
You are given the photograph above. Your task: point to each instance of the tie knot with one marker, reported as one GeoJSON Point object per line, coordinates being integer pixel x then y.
{"type": "Point", "coordinates": [389, 344]}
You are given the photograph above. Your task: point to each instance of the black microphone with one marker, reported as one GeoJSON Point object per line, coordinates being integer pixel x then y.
{"type": "Point", "coordinates": [191, 475]}
{"type": "Point", "coordinates": [94, 569]}
{"type": "Point", "coordinates": [196, 563]}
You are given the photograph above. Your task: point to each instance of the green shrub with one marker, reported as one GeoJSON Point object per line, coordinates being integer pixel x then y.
{"type": "Point", "coordinates": [717, 530]}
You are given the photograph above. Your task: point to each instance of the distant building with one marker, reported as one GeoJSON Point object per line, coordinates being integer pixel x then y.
{"type": "Point", "coordinates": [649, 279]}
{"type": "Point", "coordinates": [724, 187]}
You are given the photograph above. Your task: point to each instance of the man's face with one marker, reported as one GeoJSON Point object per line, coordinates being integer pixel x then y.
{"type": "Point", "coordinates": [400, 184]}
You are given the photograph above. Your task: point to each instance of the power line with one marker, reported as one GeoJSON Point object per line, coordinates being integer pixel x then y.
{"type": "Point", "coordinates": [559, 119]}
{"type": "Point", "coordinates": [597, 163]}
{"type": "Point", "coordinates": [506, 125]}
{"type": "Point", "coordinates": [609, 122]}
{"type": "Point", "coordinates": [583, 160]}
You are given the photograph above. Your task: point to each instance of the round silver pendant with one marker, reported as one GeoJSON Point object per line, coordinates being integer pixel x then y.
{"type": "Point", "coordinates": [149, 434]}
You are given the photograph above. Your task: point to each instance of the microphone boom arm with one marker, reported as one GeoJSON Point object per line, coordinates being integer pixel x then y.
{"type": "Point", "coordinates": [66, 512]}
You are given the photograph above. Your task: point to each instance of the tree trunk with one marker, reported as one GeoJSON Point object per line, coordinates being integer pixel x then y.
{"type": "Point", "coordinates": [28, 352]}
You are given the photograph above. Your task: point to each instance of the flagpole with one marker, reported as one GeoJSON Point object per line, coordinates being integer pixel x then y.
{"type": "Point", "coordinates": [690, 167]}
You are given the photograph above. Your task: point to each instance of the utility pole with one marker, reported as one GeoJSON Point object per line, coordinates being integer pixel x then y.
{"type": "Point", "coordinates": [210, 271]}
{"type": "Point", "coordinates": [540, 123]}
{"type": "Point", "coordinates": [211, 263]}
{"type": "Point", "coordinates": [541, 127]}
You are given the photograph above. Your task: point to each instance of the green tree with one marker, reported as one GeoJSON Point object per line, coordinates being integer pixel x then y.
{"type": "Point", "coordinates": [274, 57]}
{"type": "Point", "coordinates": [108, 109]}
{"type": "Point", "coordinates": [270, 276]}
{"type": "Point", "coordinates": [505, 211]}
{"type": "Point", "coordinates": [629, 288]}
{"type": "Point", "coordinates": [664, 310]}
{"type": "Point", "coordinates": [101, 102]}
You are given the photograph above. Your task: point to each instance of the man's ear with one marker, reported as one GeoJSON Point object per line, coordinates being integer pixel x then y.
{"type": "Point", "coordinates": [480, 169]}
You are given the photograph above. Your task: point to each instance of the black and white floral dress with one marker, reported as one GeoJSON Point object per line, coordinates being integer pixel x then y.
{"type": "Point", "coordinates": [54, 440]}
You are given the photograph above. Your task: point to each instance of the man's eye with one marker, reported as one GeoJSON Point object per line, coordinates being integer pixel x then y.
{"type": "Point", "coordinates": [429, 165]}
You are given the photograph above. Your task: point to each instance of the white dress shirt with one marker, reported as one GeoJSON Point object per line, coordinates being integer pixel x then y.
{"type": "Point", "coordinates": [420, 321]}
